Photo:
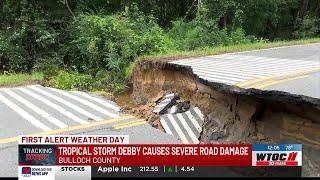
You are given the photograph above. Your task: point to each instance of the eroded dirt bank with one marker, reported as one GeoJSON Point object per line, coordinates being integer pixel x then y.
{"type": "Point", "coordinates": [234, 116]}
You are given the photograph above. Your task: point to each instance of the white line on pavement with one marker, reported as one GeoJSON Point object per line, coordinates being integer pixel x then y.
{"type": "Point", "coordinates": [54, 106]}
{"type": "Point", "coordinates": [188, 129]}
{"type": "Point", "coordinates": [220, 80]}
{"type": "Point", "coordinates": [85, 102]}
{"type": "Point", "coordinates": [194, 121]}
{"type": "Point", "coordinates": [198, 112]}
{"type": "Point", "coordinates": [178, 130]}
{"type": "Point", "coordinates": [35, 109]}
{"type": "Point", "coordinates": [165, 126]}
{"type": "Point", "coordinates": [24, 114]}
{"type": "Point", "coordinates": [104, 103]}
{"type": "Point", "coordinates": [74, 107]}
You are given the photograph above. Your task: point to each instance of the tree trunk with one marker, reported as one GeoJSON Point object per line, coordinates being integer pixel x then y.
{"type": "Point", "coordinates": [67, 4]}
{"type": "Point", "coordinates": [317, 10]}
{"type": "Point", "coordinates": [303, 8]}
{"type": "Point", "coordinates": [1, 4]}
{"type": "Point", "coordinates": [125, 4]}
{"type": "Point", "coordinates": [199, 5]}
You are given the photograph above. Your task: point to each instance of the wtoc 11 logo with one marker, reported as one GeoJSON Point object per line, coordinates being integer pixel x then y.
{"type": "Point", "coordinates": [277, 155]}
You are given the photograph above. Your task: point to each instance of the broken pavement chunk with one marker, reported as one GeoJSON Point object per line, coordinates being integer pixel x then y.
{"type": "Point", "coordinates": [187, 125]}
{"type": "Point", "coordinates": [179, 107]}
{"type": "Point", "coordinates": [174, 109]}
{"type": "Point", "coordinates": [165, 103]}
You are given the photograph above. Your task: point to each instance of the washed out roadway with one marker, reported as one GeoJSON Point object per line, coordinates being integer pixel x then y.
{"type": "Point", "coordinates": [44, 111]}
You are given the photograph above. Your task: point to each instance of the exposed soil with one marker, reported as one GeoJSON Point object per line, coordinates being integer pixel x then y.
{"type": "Point", "coordinates": [241, 116]}
{"type": "Point", "coordinates": [144, 111]}
{"type": "Point", "coordinates": [125, 100]}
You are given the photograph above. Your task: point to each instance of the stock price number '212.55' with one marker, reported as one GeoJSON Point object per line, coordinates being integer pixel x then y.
{"type": "Point", "coordinates": [149, 168]}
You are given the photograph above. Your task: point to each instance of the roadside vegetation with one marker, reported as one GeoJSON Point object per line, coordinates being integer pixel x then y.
{"type": "Point", "coordinates": [20, 78]}
{"type": "Point", "coordinates": [92, 45]}
{"type": "Point", "coordinates": [229, 49]}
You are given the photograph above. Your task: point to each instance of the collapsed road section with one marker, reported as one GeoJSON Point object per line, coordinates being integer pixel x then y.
{"type": "Point", "coordinates": [178, 118]}
{"type": "Point", "coordinates": [237, 114]}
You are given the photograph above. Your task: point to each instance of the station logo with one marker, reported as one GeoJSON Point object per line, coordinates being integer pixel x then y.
{"type": "Point", "coordinates": [277, 155]}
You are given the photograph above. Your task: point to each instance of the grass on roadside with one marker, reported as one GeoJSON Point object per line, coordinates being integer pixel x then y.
{"type": "Point", "coordinates": [64, 81]}
{"type": "Point", "coordinates": [20, 78]}
{"type": "Point", "coordinates": [228, 49]}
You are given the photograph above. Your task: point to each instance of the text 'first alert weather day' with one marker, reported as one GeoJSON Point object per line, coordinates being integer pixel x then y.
{"type": "Point", "coordinates": [79, 139]}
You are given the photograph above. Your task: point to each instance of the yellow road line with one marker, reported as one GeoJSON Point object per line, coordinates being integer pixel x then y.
{"type": "Point", "coordinates": [131, 124]}
{"type": "Point", "coordinates": [273, 82]}
{"type": "Point", "coordinates": [72, 128]}
{"type": "Point", "coordinates": [8, 140]}
{"type": "Point", "coordinates": [253, 81]}
{"type": "Point", "coordinates": [258, 81]}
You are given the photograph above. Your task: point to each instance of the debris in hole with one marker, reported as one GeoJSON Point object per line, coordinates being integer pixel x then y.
{"type": "Point", "coordinates": [187, 126]}
{"type": "Point", "coordinates": [164, 103]}
{"type": "Point", "coordinates": [179, 118]}
{"type": "Point", "coordinates": [183, 106]}
{"type": "Point", "coordinates": [180, 107]}
{"type": "Point", "coordinates": [174, 109]}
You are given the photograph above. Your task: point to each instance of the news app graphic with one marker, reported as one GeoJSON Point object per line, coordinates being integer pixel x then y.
{"type": "Point", "coordinates": [26, 171]}
{"type": "Point", "coordinates": [277, 155]}
{"type": "Point", "coordinates": [36, 172]}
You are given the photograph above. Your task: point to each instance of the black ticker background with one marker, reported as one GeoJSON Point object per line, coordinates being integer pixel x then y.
{"type": "Point", "coordinates": [204, 171]}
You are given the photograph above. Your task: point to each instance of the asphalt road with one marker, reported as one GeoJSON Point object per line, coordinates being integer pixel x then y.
{"type": "Point", "coordinates": [41, 110]}
{"type": "Point", "coordinates": [292, 69]}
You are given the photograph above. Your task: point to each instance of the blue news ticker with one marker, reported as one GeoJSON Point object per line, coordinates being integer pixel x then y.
{"type": "Point", "coordinates": [276, 147]}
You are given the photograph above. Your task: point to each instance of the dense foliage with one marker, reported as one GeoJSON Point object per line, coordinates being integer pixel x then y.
{"type": "Point", "coordinates": [92, 44]}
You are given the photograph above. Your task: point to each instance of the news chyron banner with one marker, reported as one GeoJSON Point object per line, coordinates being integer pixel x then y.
{"type": "Point", "coordinates": [88, 156]}
{"type": "Point", "coordinates": [65, 156]}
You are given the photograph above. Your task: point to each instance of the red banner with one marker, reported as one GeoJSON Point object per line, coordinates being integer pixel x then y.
{"type": "Point", "coordinates": [162, 155]}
